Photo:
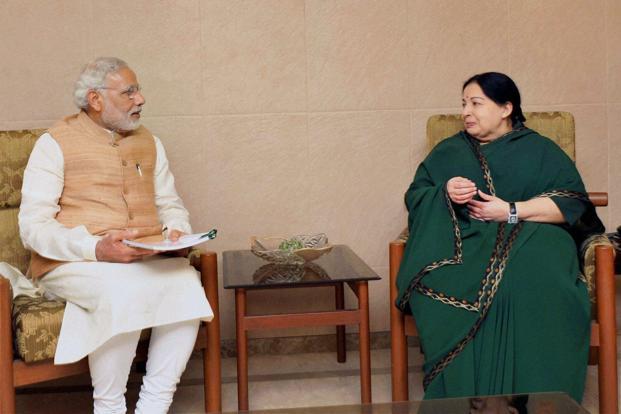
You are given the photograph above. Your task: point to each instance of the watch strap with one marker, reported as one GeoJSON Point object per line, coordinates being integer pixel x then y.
{"type": "Point", "coordinates": [513, 216]}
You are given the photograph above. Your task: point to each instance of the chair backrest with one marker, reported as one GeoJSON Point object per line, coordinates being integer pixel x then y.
{"type": "Point", "coordinates": [15, 148]}
{"type": "Point", "coordinates": [558, 126]}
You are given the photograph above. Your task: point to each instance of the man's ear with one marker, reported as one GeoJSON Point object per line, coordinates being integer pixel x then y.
{"type": "Point", "coordinates": [95, 100]}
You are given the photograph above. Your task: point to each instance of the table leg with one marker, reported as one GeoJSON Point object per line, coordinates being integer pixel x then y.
{"type": "Point", "coordinates": [365, 345]}
{"type": "Point", "coordinates": [242, 350]}
{"type": "Point", "coordinates": [341, 350]}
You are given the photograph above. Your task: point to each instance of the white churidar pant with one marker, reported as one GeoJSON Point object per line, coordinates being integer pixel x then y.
{"type": "Point", "coordinates": [170, 348]}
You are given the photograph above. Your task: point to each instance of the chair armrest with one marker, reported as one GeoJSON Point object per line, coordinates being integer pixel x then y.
{"type": "Point", "coordinates": [4, 280]}
{"type": "Point", "coordinates": [6, 336]}
{"type": "Point", "coordinates": [6, 301]}
{"type": "Point", "coordinates": [398, 340]}
{"type": "Point", "coordinates": [599, 199]}
{"type": "Point", "coordinates": [587, 252]}
{"type": "Point", "coordinates": [605, 282]}
{"type": "Point", "coordinates": [606, 319]}
{"type": "Point", "coordinates": [208, 267]}
{"type": "Point", "coordinates": [395, 254]}
{"type": "Point", "coordinates": [208, 263]}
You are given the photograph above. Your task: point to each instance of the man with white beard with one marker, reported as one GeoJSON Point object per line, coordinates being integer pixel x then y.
{"type": "Point", "coordinates": [94, 179]}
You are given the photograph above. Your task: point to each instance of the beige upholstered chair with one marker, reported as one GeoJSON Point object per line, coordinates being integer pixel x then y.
{"type": "Point", "coordinates": [29, 327]}
{"type": "Point", "coordinates": [558, 126]}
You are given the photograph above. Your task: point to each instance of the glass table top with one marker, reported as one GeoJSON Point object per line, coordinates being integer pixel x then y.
{"type": "Point", "coordinates": [242, 269]}
{"type": "Point", "coordinates": [548, 403]}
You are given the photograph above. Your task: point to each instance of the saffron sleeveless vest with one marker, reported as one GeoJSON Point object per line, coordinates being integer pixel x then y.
{"type": "Point", "coordinates": [108, 182]}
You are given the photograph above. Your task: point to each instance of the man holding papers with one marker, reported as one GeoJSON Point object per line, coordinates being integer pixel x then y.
{"type": "Point", "coordinates": [94, 179]}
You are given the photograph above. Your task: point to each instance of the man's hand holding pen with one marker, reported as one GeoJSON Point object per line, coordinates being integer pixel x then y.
{"type": "Point", "coordinates": [173, 235]}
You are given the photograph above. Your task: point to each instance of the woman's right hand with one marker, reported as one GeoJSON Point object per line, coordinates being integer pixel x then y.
{"type": "Point", "coordinates": [461, 190]}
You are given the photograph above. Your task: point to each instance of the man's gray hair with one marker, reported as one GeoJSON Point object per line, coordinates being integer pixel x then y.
{"type": "Point", "coordinates": [93, 76]}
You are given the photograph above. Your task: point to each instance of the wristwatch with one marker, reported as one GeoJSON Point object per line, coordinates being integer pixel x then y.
{"type": "Point", "coordinates": [513, 216]}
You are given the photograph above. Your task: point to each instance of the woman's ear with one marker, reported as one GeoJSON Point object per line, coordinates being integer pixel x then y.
{"type": "Point", "coordinates": [507, 110]}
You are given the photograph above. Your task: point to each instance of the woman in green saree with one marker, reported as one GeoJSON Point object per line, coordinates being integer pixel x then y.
{"type": "Point", "coordinates": [491, 271]}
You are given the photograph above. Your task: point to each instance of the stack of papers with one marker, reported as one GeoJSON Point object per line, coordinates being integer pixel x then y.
{"type": "Point", "coordinates": [188, 240]}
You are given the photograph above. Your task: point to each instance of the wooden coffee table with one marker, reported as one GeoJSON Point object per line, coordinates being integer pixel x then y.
{"type": "Point", "coordinates": [244, 272]}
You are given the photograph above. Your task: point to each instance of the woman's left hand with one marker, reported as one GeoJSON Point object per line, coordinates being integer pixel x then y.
{"type": "Point", "coordinates": [489, 209]}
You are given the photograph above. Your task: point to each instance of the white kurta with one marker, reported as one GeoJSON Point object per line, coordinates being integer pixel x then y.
{"type": "Point", "coordinates": [105, 299]}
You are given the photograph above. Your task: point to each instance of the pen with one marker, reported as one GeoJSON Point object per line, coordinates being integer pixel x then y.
{"type": "Point", "coordinates": [165, 233]}
{"type": "Point", "coordinates": [139, 170]}
{"type": "Point", "coordinates": [210, 234]}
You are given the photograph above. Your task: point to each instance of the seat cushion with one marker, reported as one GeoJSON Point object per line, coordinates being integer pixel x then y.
{"type": "Point", "coordinates": [36, 327]}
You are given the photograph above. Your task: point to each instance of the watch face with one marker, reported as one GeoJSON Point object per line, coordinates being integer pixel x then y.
{"type": "Point", "coordinates": [512, 219]}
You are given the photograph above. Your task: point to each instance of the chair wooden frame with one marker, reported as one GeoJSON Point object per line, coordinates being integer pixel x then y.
{"type": "Point", "coordinates": [15, 373]}
{"type": "Point", "coordinates": [603, 350]}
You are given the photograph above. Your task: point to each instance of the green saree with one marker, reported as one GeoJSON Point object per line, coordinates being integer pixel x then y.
{"type": "Point", "coordinates": [500, 308]}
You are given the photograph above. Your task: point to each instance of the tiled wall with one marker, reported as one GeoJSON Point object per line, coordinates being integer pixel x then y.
{"type": "Point", "coordinates": [288, 116]}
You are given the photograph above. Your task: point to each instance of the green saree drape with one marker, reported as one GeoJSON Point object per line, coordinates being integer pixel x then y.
{"type": "Point", "coordinates": [500, 308]}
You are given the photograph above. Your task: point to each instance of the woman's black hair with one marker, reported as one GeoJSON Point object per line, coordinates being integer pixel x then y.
{"type": "Point", "coordinates": [520, 403]}
{"type": "Point", "coordinates": [501, 89]}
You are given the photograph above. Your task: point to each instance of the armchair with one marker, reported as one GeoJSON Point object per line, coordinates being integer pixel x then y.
{"type": "Point", "coordinates": [558, 126]}
{"type": "Point", "coordinates": [29, 327]}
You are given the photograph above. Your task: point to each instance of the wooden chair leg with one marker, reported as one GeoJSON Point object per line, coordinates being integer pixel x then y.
{"type": "Point", "coordinates": [211, 356]}
{"type": "Point", "coordinates": [7, 389]}
{"type": "Point", "coordinates": [607, 359]}
{"type": "Point", "coordinates": [398, 345]}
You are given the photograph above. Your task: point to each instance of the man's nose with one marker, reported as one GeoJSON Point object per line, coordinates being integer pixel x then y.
{"type": "Point", "coordinates": [139, 98]}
